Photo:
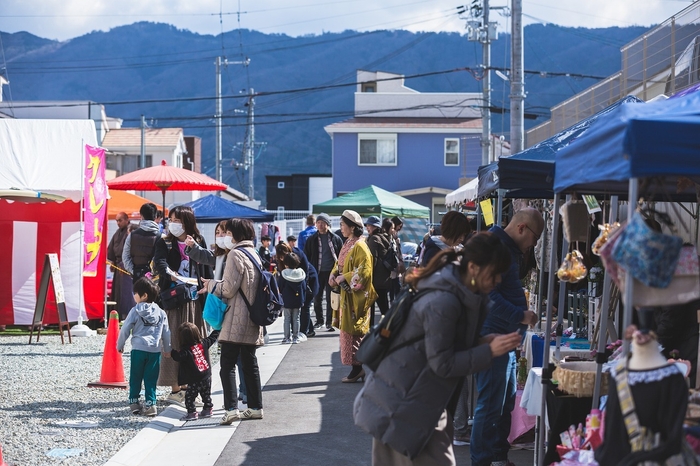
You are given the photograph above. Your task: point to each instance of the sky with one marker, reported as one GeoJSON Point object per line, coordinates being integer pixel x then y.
{"type": "Point", "coordinates": [65, 19]}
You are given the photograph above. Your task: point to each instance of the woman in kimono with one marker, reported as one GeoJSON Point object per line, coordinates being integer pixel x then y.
{"type": "Point", "coordinates": [353, 273]}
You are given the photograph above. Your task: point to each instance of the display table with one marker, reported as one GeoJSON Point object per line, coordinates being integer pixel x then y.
{"type": "Point", "coordinates": [530, 350]}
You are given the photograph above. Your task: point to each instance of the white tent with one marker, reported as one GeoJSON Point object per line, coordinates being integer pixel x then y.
{"type": "Point", "coordinates": [465, 193]}
{"type": "Point", "coordinates": [44, 156]}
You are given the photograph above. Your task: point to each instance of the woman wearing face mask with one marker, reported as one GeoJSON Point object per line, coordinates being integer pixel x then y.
{"type": "Point", "coordinates": [214, 258]}
{"type": "Point", "coordinates": [170, 252]}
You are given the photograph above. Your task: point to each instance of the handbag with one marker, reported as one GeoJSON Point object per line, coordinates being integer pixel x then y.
{"type": "Point", "coordinates": [647, 255]}
{"type": "Point", "coordinates": [335, 298]}
{"type": "Point", "coordinates": [214, 310]}
{"type": "Point", "coordinates": [640, 438]}
{"type": "Point", "coordinates": [684, 286]}
{"type": "Point", "coordinates": [176, 296]}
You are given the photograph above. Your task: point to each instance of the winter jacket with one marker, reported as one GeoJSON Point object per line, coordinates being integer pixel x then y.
{"type": "Point", "coordinates": [150, 327]}
{"type": "Point", "coordinates": [239, 273]}
{"type": "Point", "coordinates": [292, 285]}
{"type": "Point", "coordinates": [312, 285]}
{"type": "Point", "coordinates": [266, 257]}
{"type": "Point", "coordinates": [139, 247]}
{"type": "Point", "coordinates": [195, 364]}
{"type": "Point", "coordinates": [379, 243]}
{"type": "Point", "coordinates": [400, 404]}
{"type": "Point", "coordinates": [431, 249]}
{"type": "Point", "coordinates": [168, 255]}
{"type": "Point", "coordinates": [305, 235]}
{"type": "Point", "coordinates": [509, 304]}
{"type": "Point", "coordinates": [312, 244]}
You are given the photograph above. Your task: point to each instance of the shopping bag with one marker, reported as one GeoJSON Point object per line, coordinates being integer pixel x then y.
{"type": "Point", "coordinates": [214, 310]}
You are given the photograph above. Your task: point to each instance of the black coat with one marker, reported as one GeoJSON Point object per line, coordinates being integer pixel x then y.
{"type": "Point", "coordinates": [168, 255]}
{"type": "Point", "coordinates": [193, 369]}
{"type": "Point", "coordinates": [379, 244]}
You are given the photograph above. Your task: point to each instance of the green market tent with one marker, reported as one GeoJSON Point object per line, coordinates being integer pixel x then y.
{"type": "Point", "coordinates": [373, 201]}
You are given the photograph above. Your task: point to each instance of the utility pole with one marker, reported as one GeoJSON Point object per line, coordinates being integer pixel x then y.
{"type": "Point", "coordinates": [251, 144]}
{"type": "Point", "coordinates": [142, 160]}
{"type": "Point", "coordinates": [217, 117]}
{"type": "Point", "coordinates": [517, 84]}
{"type": "Point", "coordinates": [486, 113]}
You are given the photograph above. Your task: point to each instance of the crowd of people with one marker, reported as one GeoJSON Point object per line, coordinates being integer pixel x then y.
{"type": "Point", "coordinates": [469, 321]}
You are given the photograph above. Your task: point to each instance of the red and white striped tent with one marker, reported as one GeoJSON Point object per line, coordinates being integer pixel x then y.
{"type": "Point", "coordinates": [45, 156]}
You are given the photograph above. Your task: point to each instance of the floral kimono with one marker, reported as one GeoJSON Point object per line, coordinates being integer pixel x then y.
{"type": "Point", "coordinates": [356, 263]}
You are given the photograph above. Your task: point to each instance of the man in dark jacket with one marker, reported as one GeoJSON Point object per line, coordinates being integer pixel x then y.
{"type": "Point", "coordinates": [139, 247]}
{"type": "Point", "coordinates": [497, 385]}
{"type": "Point", "coordinates": [322, 249]}
{"type": "Point", "coordinates": [380, 243]}
{"type": "Point", "coordinates": [121, 282]}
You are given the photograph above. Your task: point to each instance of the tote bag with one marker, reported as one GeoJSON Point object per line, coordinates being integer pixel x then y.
{"type": "Point", "coordinates": [214, 310]}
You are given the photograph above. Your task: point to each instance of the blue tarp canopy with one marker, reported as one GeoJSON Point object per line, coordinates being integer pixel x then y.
{"type": "Point", "coordinates": [634, 141]}
{"type": "Point", "coordinates": [530, 173]}
{"type": "Point", "coordinates": [212, 208]}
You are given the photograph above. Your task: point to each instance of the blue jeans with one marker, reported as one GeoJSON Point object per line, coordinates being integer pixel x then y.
{"type": "Point", "coordinates": [496, 387]}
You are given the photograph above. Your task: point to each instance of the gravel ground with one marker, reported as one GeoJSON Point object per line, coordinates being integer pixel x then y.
{"type": "Point", "coordinates": [45, 384]}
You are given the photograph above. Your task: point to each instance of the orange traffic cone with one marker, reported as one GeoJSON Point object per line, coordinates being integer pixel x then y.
{"type": "Point", "coordinates": [2, 461]}
{"type": "Point", "coordinates": [112, 375]}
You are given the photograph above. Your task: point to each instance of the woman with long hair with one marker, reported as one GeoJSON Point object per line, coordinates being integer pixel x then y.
{"type": "Point", "coordinates": [353, 273]}
{"type": "Point", "coordinates": [170, 252]}
{"type": "Point", "coordinates": [454, 228]}
{"type": "Point", "coordinates": [408, 403]}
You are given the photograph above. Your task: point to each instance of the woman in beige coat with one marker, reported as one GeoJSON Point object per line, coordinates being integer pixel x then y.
{"type": "Point", "coordinates": [239, 335]}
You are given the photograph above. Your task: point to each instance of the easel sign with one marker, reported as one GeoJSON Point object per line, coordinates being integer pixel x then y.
{"type": "Point", "coordinates": [51, 271]}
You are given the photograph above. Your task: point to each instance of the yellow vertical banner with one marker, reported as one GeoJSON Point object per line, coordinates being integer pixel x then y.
{"type": "Point", "coordinates": [487, 211]}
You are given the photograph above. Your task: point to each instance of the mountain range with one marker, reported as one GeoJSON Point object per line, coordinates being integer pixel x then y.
{"type": "Point", "coordinates": [302, 83]}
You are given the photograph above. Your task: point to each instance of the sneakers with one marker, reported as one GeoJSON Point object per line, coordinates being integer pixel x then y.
{"type": "Point", "coordinates": [230, 417]}
{"type": "Point", "coordinates": [251, 413]}
{"type": "Point", "coordinates": [330, 329]}
{"type": "Point", "coordinates": [301, 336]}
{"type": "Point", "coordinates": [461, 440]}
{"type": "Point", "coordinates": [286, 341]}
{"type": "Point", "coordinates": [310, 334]}
{"type": "Point", "coordinates": [177, 398]}
{"type": "Point", "coordinates": [149, 411]}
{"type": "Point", "coordinates": [318, 325]}
{"type": "Point", "coordinates": [135, 408]}
{"type": "Point", "coordinates": [295, 341]}
{"type": "Point", "coordinates": [192, 416]}
{"type": "Point", "coordinates": [206, 412]}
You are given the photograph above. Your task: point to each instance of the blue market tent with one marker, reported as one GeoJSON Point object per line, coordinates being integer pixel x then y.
{"type": "Point", "coordinates": [212, 209]}
{"type": "Point", "coordinates": [635, 141]}
{"type": "Point", "coordinates": [530, 173]}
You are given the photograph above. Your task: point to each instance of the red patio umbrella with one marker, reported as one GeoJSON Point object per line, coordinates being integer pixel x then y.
{"type": "Point", "coordinates": [164, 177]}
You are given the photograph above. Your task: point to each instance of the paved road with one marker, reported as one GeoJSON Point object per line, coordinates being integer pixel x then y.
{"type": "Point", "coordinates": [308, 416]}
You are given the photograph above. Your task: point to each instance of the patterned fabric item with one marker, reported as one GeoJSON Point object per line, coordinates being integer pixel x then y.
{"type": "Point", "coordinates": [606, 255]}
{"type": "Point", "coordinates": [649, 256]}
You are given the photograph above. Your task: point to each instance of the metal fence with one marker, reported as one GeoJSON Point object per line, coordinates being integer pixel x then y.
{"type": "Point", "coordinates": [665, 60]}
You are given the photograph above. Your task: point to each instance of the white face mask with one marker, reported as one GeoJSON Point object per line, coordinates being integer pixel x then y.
{"type": "Point", "coordinates": [176, 229]}
{"type": "Point", "coordinates": [221, 242]}
{"type": "Point", "coordinates": [229, 242]}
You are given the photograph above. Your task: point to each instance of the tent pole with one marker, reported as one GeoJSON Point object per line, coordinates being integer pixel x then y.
{"type": "Point", "coordinates": [629, 285]}
{"type": "Point", "coordinates": [603, 319]}
{"type": "Point", "coordinates": [540, 279]}
{"type": "Point", "coordinates": [562, 296]}
{"type": "Point", "coordinates": [546, 376]}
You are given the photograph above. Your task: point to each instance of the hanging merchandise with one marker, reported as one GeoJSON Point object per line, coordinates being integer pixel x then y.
{"type": "Point", "coordinates": [648, 255]}
{"type": "Point", "coordinates": [572, 269]}
{"type": "Point", "coordinates": [575, 218]}
{"type": "Point", "coordinates": [605, 231]}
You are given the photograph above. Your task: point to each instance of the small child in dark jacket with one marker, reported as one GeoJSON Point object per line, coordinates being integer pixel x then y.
{"type": "Point", "coordinates": [292, 284]}
{"type": "Point", "coordinates": [195, 368]}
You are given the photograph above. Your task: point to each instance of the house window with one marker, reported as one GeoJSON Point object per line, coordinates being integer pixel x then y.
{"type": "Point", "coordinates": [376, 149]}
{"type": "Point", "coordinates": [451, 152]}
{"type": "Point", "coordinates": [369, 87]}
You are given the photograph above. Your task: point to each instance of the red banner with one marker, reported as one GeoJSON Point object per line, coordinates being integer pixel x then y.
{"type": "Point", "coordinates": [95, 208]}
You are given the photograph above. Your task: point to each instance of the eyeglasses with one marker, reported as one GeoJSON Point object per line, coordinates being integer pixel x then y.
{"type": "Point", "coordinates": [537, 237]}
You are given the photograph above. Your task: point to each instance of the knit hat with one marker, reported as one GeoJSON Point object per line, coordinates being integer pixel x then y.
{"type": "Point", "coordinates": [373, 221]}
{"type": "Point", "coordinates": [324, 218]}
{"type": "Point", "coordinates": [354, 217]}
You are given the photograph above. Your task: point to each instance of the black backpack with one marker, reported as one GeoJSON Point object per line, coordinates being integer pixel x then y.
{"type": "Point", "coordinates": [267, 304]}
{"type": "Point", "coordinates": [390, 259]}
{"type": "Point", "coordinates": [375, 346]}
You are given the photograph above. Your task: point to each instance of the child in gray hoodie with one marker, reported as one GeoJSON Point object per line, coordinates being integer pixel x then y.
{"type": "Point", "coordinates": [150, 327]}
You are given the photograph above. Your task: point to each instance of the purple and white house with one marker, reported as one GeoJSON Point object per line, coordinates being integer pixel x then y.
{"type": "Point", "coordinates": [417, 145]}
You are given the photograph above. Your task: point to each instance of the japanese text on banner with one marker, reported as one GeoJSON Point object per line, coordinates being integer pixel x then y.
{"type": "Point", "coordinates": [95, 207]}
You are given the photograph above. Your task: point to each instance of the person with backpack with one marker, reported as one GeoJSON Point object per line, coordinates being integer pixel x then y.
{"type": "Point", "coordinates": [443, 324]}
{"type": "Point", "coordinates": [171, 253]}
{"type": "Point", "coordinates": [380, 244]}
{"type": "Point", "coordinates": [353, 274]}
{"type": "Point", "coordinates": [239, 334]}
{"type": "Point", "coordinates": [139, 247]}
